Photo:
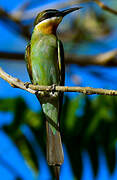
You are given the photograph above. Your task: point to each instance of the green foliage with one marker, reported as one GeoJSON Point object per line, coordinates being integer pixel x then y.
{"type": "Point", "coordinates": [95, 127]}
{"type": "Point", "coordinates": [21, 116]}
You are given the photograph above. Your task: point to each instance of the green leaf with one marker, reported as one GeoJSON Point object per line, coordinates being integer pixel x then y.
{"type": "Point", "coordinates": [70, 118]}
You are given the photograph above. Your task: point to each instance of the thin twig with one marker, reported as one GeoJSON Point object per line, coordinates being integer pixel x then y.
{"type": "Point", "coordinates": [16, 83]}
{"type": "Point", "coordinates": [105, 7]}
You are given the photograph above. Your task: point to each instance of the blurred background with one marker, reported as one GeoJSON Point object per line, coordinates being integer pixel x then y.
{"type": "Point", "coordinates": [89, 123]}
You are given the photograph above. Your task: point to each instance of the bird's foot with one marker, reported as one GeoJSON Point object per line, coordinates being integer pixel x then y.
{"type": "Point", "coordinates": [40, 93]}
{"type": "Point", "coordinates": [47, 94]}
{"type": "Point", "coordinates": [53, 92]}
{"type": "Point", "coordinates": [53, 88]}
{"type": "Point", "coordinates": [26, 84]}
{"type": "Point", "coordinates": [54, 95]}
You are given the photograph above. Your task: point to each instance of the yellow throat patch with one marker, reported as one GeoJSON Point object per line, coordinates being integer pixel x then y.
{"type": "Point", "coordinates": [48, 26]}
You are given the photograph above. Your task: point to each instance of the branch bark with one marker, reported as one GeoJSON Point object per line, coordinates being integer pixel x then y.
{"type": "Point", "coordinates": [16, 83]}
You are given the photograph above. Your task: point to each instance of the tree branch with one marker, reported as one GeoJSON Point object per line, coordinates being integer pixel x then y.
{"type": "Point", "coordinates": [104, 59]}
{"type": "Point", "coordinates": [106, 8]}
{"type": "Point", "coordinates": [11, 55]}
{"type": "Point", "coordinates": [14, 24]}
{"type": "Point", "coordinates": [16, 83]}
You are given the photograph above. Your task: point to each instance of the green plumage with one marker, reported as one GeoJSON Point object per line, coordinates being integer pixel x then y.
{"type": "Point", "coordinates": [45, 64]}
{"type": "Point", "coordinates": [45, 69]}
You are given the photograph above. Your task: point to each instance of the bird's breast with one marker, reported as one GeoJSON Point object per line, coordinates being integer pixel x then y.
{"type": "Point", "coordinates": [44, 60]}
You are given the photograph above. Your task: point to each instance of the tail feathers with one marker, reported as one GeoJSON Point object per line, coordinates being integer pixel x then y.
{"type": "Point", "coordinates": [55, 155]}
{"type": "Point", "coordinates": [57, 172]}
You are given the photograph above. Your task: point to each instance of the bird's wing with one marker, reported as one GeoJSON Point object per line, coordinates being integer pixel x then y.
{"type": "Point", "coordinates": [28, 61]}
{"type": "Point", "coordinates": [61, 66]}
{"type": "Point", "coordinates": [61, 62]}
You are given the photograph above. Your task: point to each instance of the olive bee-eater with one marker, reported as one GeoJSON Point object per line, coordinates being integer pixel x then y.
{"type": "Point", "coordinates": [45, 64]}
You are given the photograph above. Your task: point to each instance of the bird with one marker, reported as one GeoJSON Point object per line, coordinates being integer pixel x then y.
{"type": "Point", "coordinates": [44, 56]}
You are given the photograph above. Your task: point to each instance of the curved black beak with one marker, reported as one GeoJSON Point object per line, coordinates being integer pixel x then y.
{"type": "Point", "coordinates": [67, 11]}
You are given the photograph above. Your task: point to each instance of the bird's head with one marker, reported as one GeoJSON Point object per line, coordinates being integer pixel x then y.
{"type": "Point", "coordinates": [47, 21]}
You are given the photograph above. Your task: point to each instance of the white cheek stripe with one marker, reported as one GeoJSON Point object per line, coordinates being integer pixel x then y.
{"type": "Point", "coordinates": [47, 21]}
